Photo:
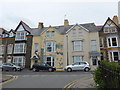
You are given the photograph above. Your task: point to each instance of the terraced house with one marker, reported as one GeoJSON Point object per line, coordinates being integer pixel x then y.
{"type": "Point", "coordinates": [16, 45]}
{"type": "Point", "coordinates": [63, 45]}
{"type": "Point", "coordinates": [110, 40]}
{"type": "Point", "coordinates": [57, 46]}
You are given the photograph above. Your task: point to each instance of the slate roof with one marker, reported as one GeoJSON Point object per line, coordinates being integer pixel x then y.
{"type": "Point", "coordinates": [90, 26]}
{"type": "Point", "coordinates": [63, 29]}
{"type": "Point", "coordinates": [36, 31]}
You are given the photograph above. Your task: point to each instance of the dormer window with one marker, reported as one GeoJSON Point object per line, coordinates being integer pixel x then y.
{"type": "Point", "coordinates": [11, 34]}
{"type": "Point", "coordinates": [20, 35]}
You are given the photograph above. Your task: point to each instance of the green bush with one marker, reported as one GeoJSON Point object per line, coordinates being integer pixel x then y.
{"type": "Point", "coordinates": [99, 75]}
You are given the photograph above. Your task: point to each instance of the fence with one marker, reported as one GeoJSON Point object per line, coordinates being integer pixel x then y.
{"type": "Point", "coordinates": [111, 79]}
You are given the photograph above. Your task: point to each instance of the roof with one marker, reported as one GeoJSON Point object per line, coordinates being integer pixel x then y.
{"type": "Point", "coordinates": [90, 26]}
{"type": "Point", "coordinates": [36, 31]}
{"type": "Point", "coordinates": [63, 29]}
{"type": "Point", "coordinates": [25, 26]}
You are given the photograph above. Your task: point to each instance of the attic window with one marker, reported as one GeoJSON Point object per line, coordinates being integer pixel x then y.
{"type": "Point", "coordinates": [113, 30]}
{"type": "Point", "coordinates": [106, 30]}
{"type": "Point", "coordinates": [11, 34]}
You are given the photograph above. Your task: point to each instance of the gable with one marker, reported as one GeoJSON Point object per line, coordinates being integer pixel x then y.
{"type": "Point", "coordinates": [77, 27]}
{"type": "Point", "coordinates": [109, 23]}
{"type": "Point", "coordinates": [20, 28]}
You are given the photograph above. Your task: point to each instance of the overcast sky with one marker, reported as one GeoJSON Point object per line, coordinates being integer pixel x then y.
{"type": "Point", "coordinates": [52, 12]}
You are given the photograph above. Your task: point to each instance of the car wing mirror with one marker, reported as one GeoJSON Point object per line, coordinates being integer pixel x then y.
{"type": "Point", "coordinates": [72, 64]}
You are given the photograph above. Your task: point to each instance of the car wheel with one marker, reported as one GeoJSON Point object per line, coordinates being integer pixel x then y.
{"type": "Point", "coordinates": [14, 69]}
{"type": "Point", "coordinates": [2, 69]}
{"type": "Point", "coordinates": [50, 70]}
{"type": "Point", "coordinates": [86, 69]}
{"type": "Point", "coordinates": [34, 69]}
{"type": "Point", "coordinates": [69, 70]}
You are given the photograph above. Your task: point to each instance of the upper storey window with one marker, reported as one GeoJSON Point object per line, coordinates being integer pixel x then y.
{"type": "Point", "coordinates": [106, 30]}
{"type": "Point", "coordinates": [110, 30]}
{"type": "Point", "coordinates": [77, 32]}
{"type": "Point", "coordinates": [21, 35]}
{"type": "Point", "coordinates": [112, 42]}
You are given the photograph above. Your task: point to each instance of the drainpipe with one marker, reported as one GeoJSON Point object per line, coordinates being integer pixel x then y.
{"type": "Point", "coordinates": [67, 51]}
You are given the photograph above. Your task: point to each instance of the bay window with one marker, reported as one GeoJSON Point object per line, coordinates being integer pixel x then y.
{"type": "Point", "coordinates": [10, 48]}
{"type": "Point", "coordinates": [50, 46]}
{"type": "Point", "coordinates": [19, 61]}
{"type": "Point", "coordinates": [19, 48]}
{"type": "Point", "coordinates": [77, 59]}
{"type": "Point", "coordinates": [78, 45]}
{"type": "Point", "coordinates": [21, 35]}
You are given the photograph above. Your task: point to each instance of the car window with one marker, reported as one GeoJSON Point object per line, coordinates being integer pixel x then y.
{"type": "Point", "coordinates": [77, 63]}
{"type": "Point", "coordinates": [81, 63]}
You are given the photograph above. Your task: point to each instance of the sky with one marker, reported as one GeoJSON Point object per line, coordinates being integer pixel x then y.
{"type": "Point", "coordinates": [53, 12]}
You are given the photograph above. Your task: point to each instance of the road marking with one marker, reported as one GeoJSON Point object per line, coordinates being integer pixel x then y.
{"type": "Point", "coordinates": [69, 85]}
{"type": "Point", "coordinates": [13, 78]}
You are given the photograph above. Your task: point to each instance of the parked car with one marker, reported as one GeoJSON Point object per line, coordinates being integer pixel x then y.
{"type": "Point", "coordinates": [78, 66]}
{"type": "Point", "coordinates": [10, 67]}
{"type": "Point", "coordinates": [43, 66]}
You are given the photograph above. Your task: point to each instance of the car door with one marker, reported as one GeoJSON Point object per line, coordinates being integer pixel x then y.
{"type": "Point", "coordinates": [76, 66]}
{"type": "Point", "coordinates": [82, 65]}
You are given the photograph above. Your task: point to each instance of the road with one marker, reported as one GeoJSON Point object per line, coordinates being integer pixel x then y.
{"type": "Point", "coordinates": [29, 79]}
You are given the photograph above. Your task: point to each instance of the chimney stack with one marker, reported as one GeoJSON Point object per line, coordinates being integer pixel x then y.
{"type": "Point", "coordinates": [66, 22]}
{"type": "Point", "coordinates": [115, 19]}
{"type": "Point", "coordinates": [40, 25]}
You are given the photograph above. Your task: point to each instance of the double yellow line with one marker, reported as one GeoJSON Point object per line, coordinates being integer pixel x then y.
{"type": "Point", "coordinates": [69, 85]}
{"type": "Point", "coordinates": [13, 78]}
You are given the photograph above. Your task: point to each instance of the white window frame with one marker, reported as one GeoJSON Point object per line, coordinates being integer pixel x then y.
{"type": "Point", "coordinates": [21, 36]}
{"type": "Point", "coordinates": [93, 45]}
{"type": "Point", "coordinates": [52, 45]}
{"type": "Point", "coordinates": [52, 60]}
{"type": "Point", "coordinates": [78, 46]}
{"type": "Point", "coordinates": [77, 58]}
{"type": "Point", "coordinates": [16, 62]}
{"type": "Point", "coordinates": [111, 42]}
{"type": "Point", "coordinates": [10, 49]}
{"type": "Point", "coordinates": [17, 48]}
{"type": "Point", "coordinates": [112, 57]}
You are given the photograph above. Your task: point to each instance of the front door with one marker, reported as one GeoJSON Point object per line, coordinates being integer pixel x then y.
{"type": "Point", "coordinates": [50, 60]}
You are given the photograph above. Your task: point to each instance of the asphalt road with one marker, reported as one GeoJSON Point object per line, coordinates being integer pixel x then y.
{"type": "Point", "coordinates": [29, 79]}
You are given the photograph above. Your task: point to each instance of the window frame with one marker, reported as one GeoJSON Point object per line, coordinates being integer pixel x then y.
{"type": "Point", "coordinates": [21, 36]}
{"type": "Point", "coordinates": [110, 42]}
{"type": "Point", "coordinates": [76, 45]}
{"type": "Point", "coordinates": [94, 45]}
{"type": "Point", "coordinates": [19, 45]}
{"type": "Point", "coordinates": [76, 57]}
